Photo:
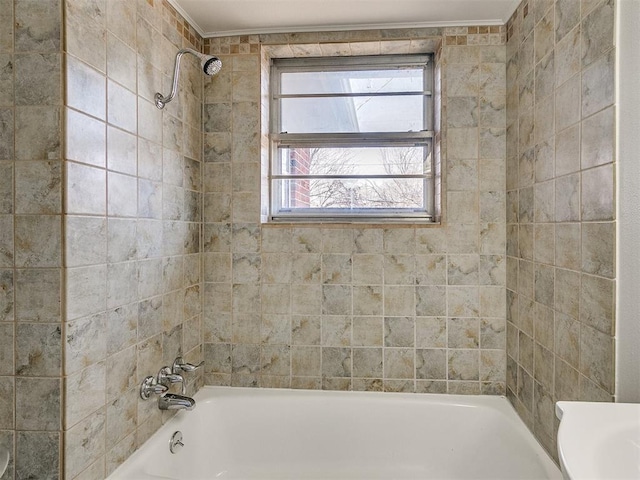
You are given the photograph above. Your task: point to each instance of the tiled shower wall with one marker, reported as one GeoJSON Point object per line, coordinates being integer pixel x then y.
{"type": "Point", "coordinates": [30, 237]}
{"type": "Point", "coordinates": [132, 224]}
{"type": "Point", "coordinates": [358, 307]}
{"type": "Point", "coordinates": [560, 208]}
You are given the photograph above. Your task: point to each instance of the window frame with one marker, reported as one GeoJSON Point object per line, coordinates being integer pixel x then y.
{"type": "Point", "coordinates": [423, 138]}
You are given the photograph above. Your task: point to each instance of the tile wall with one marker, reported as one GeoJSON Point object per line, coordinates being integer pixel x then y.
{"type": "Point", "coordinates": [31, 237]}
{"type": "Point", "coordinates": [417, 309]}
{"type": "Point", "coordinates": [560, 208]}
{"type": "Point", "coordinates": [132, 225]}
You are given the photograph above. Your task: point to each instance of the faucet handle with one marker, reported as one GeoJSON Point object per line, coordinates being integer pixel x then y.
{"type": "Point", "coordinates": [150, 386]}
{"type": "Point", "coordinates": [167, 378]}
{"type": "Point", "coordinates": [179, 364]}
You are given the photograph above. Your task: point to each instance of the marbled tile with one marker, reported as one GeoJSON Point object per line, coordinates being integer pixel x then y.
{"type": "Point", "coordinates": [121, 107]}
{"type": "Point", "coordinates": [6, 295]}
{"type": "Point", "coordinates": [567, 54]}
{"type": "Point", "coordinates": [336, 362]}
{"type": "Point", "coordinates": [7, 247]}
{"type": "Point", "coordinates": [37, 295]}
{"type": "Point", "coordinates": [462, 112]}
{"type": "Point", "coordinates": [567, 292]}
{"type": "Point", "coordinates": [568, 103]}
{"type": "Point", "coordinates": [149, 199]}
{"type": "Point", "coordinates": [431, 301]}
{"type": "Point", "coordinates": [597, 357]}
{"type": "Point", "coordinates": [38, 26]}
{"type": "Point", "coordinates": [7, 408]}
{"type": "Point", "coordinates": [121, 61]}
{"type": "Point", "coordinates": [492, 333]}
{"type": "Point", "coordinates": [598, 149]}
{"type": "Point", "coordinates": [6, 188]}
{"type": "Point", "coordinates": [368, 241]}
{"type": "Point", "coordinates": [245, 359]}
{"type": "Point", "coordinates": [33, 249]}
{"type": "Point", "coordinates": [84, 443]}
{"type": "Point", "coordinates": [598, 192]}
{"type": "Point", "coordinates": [568, 198]}
{"type": "Point", "coordinates": [37, 133]}
{"type": "Point", "coordinates": [597, 32]}
{"type": "Point", "coordinates": [544, 114]}
{"type": "Point", "coordinates": [462, 143]}
{"type": "Point", "coordinates": [336, 269]}
{"type": "Point", "coordinates": [399, 332]}
{"type": "Point", "coordinates": [463, 269]}
{"type": "Point", "coordinates": [121, 195]}
{"type": "Point", "coordinates": [275, 360]}
{"type": "Point", "coordinates": [6, 133]}
{"type": "Point", "coordinates": [567, 336]}
{"type": "Point", "coordinates": [38, 188]}
{"type": "Point", "coordinates": [598, 249]}
{"type": "Point", "coordinates": [431, 364]}
{"type": "Point", "coordinates": [367, 331]}
{"type": "Point", "coordinates": [37, 79]}
{"type": "Point", "coordinates": [121, 284]}
{"type": "Point", "coordinates": [367, 362]}
{"type": "Point", "coordinates": [598, 84]}
{"type": "Point", "coordinates": [86, 290]}
{"type": "Point", "coordinates": [337, 240]}
{"type": "Point", "coordinates": [399, 270]}
{"type": "Point", "coordinates": [85, 342]}
{"type": "Point", "coordinates": [462, 80]}
{"type": "Point", "coordinates": [463, 365]}
{"type": "Point", "coordinates": [86, 240]}
{"type": "Point", "coordinates": [337, 299]}
{"type": "Point", "coordinates": [86, 30]}
{"type": "Point", "coordinates": [431, 269]}
{"type": "Point", "coordinates": [399, 363]}
{"type": "Point", "coordinates": [305, 361]}
{"type": "Point", "coordinates": [367, 269]}
{"type": "Point", "coordinates": [567, 17]}
{"type": "Point", "coordinates": [463, 333]}
{"type": "Point", "coordinates": [149, 121]}
{"type": "Point", "coordinates": [597, 302]}
{"type": "Point", "coordinates": [86, 190]}
{"type": "Point", "coordinates": [38, 349]}
{"type": "Point", "coordinates": [568, 239]}
{"type": "Point", "coordinates": [462, 174]}
{"type": "Point", "coordinates": [37, 455]}
{"type": "Point", "coordinates": [463, 301]}
{"type": "Point", "coordinates": [544, 284]}
{"type": "Point", "coordinates": [85, 89]}
{"type": "Point", "coordinates": [84, 393]}
{"type": "Point", "coordinates": [38, 402]}
{"type": "Point", "coordinates": [149, 318]}
{"type": "Point", "coordinates": [568, 151]}
{"type": "Point", "coordinates": [275, 299]}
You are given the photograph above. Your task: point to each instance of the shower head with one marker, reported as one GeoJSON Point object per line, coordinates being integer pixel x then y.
{"type": "Point", "coordinates": [210, 66]}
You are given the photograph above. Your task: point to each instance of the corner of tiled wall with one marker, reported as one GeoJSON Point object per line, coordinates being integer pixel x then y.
{"type": "Point", "coordinates": [418, 309]}
{"type": "Point", "coordinates": [560, 208]}
{"type": "Point", "coordinates": [30, 237]}
{"type": "Point", "coordinates": [132, 225]}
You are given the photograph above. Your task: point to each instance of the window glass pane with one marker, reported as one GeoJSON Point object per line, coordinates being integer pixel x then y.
{"type": "Point", "coordinates": [363, 81]}
{"type": "Point", "coordinates": [349, 194]}
{"type": "Point", "coordinates": [373, 160]}
{"type": "Point", "coordinates": [353, 115]}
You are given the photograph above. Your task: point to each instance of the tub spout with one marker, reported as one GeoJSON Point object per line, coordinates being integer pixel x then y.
{"type": "Point", "coordinates": [173, 401]}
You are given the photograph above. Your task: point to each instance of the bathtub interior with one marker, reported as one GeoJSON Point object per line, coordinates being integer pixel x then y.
{"type": "Point", "coordinates": [285, 434]}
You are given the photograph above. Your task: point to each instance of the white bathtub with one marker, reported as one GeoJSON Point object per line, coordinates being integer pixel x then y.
{"type": "Point", "coordinates": [245, 433]}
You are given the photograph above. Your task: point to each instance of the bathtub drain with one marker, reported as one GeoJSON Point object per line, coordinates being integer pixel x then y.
{"type": "Point", "coordinates": [175, 444]}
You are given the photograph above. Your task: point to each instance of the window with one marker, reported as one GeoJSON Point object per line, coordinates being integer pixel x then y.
{"type": "Point", "coordinates": [351, 139]}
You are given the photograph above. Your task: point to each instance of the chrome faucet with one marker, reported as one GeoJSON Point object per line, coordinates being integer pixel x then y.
{"type": "Point", "coordinates": [167, 378]}
{"type": "Point", "coordinates": [173, 401]}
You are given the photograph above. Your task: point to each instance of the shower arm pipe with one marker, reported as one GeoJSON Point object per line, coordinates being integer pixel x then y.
{"type": "Point", "coordinates": [161, 101]}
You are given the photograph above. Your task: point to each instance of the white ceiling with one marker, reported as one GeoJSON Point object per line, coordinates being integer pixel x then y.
{"type": "Point", "coordinates": [215, 18]}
